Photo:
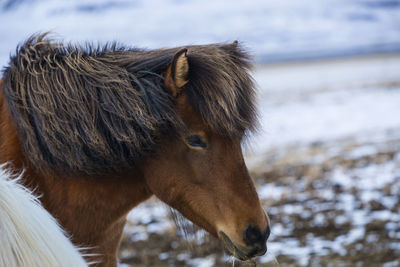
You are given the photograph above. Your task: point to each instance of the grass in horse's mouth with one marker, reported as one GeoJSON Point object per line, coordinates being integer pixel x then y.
{"type": "Point", "coordinates": [232, 248]}
{"type": "Point", "coordinates": [251, 263]}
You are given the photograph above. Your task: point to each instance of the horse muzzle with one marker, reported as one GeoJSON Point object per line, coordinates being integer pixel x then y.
{"type": "Point", "coordinates": [255, 240]}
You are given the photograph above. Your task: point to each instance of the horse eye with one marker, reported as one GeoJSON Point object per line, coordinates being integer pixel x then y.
{"type": "Point", "coordinates": [196, 141]}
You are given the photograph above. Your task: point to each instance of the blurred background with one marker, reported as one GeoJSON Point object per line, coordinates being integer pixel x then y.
{"type": "Point", "coordinates": [326, 160]}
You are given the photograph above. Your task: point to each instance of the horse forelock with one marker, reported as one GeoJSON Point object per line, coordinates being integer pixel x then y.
{"type": "Point", "coordinates": [221, 89]}
{"type": "Point", "coordinates": [100, 109]}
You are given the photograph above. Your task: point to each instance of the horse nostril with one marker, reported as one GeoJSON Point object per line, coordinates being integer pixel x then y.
{"type": "Point", "coordinates": [253, 236]}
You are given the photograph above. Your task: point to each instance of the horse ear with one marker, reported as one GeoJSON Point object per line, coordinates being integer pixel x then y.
{"type": "Point", "coordinates": [177, 73]}
{"type": "Point", "coordinates": [235, 44]}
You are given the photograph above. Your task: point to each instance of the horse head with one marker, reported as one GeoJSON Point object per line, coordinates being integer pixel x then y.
{"type": "Point", "coordinates": [203, 175]}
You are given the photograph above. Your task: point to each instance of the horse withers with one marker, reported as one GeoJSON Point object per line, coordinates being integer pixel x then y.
{"type": "Point", "coordinates": [100, 130]}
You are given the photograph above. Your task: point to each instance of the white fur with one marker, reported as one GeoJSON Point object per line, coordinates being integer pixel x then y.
{"type": "Point", "coordinates": [29, 235]}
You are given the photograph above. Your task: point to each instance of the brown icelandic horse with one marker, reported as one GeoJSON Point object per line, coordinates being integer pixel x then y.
{"type": "Point", "coordinates": [100, 130]}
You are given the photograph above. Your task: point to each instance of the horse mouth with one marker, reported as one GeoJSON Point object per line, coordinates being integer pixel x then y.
{"type": "Point", "coordinates": [238, 251]}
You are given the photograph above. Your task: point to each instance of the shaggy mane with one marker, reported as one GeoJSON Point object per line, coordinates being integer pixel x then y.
{"type": "Point", "coordinates": [93, 110]}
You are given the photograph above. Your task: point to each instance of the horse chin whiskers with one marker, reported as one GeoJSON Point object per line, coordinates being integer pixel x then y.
{"type": "Point", "coordinates": [185, 227]}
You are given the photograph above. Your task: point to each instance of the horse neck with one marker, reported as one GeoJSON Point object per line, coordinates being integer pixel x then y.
{"type": "Point", "coordinates": [91, 209]}
{"type": "Point", "coordinates": [9, 141]}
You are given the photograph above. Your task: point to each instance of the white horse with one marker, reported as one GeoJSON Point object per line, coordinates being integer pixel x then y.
{"type": "Point", "coordinates": [29, 235]}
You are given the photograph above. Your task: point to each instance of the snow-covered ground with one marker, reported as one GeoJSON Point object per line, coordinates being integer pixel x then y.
{"type": "Point", "coordinates": [328, 157]}
{"type": "Point", "coordinates": [274, 30]}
